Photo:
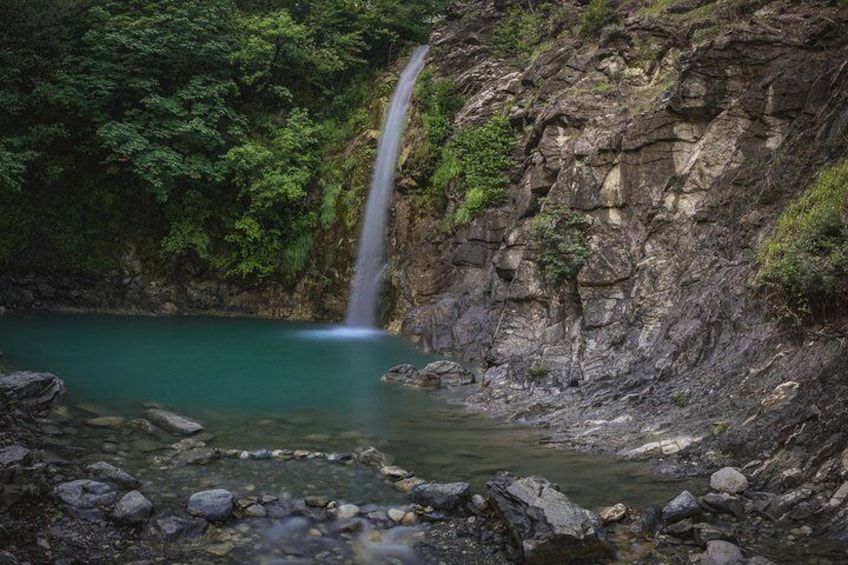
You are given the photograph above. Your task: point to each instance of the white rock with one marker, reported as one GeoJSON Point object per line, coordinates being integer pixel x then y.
{"type": "Point", "coordinates": [347, 511]}
{"type": "Point", "coordinates": [396, 514]}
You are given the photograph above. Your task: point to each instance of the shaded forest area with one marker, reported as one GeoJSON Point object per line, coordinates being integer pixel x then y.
{"type": "Point", "coordinates": [194, 131]}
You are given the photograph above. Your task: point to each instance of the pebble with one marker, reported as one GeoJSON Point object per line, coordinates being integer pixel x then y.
{"type": "Point", "coordinates": [394, 472]}
{"type": "Point", "coordinates": [106, 422]}
{"type": "Point", "coordinates": [479, 502]}
{"type": "Point", "coordinates": [614, 513]}
{"type": "Point", "coordinates": [347, 511]}
{"type": "Point", "coordinates": [396, 514]}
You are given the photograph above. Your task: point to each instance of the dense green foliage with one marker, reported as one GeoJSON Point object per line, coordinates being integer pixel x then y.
{"type": "Point", "coordinates": [476, 161]}
{"type": "Point", "coordinates": [561, 236]}
{"type": "Point", "coordinates": [197, 128]}
{"type": "Point", "coordinates": [804, 264]}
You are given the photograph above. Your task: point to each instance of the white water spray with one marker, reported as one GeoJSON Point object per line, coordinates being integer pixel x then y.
{"type": "Point", "coordinates": [368, 278]}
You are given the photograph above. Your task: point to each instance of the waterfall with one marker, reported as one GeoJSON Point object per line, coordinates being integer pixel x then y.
{"type": "Point", "coordinates": [368, 278]}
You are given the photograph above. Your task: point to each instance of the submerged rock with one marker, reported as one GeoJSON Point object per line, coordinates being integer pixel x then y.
{"type": "Point", "coordinates": [172, 422]}
{"type": "Point", "coordinates": [173, 528]}
{"type": "Point", "coordinates": [34, 390]}
{"type": "Point", "coordinates": [545, 524]}
{"type": "Point", "coordinates": [104, 471]}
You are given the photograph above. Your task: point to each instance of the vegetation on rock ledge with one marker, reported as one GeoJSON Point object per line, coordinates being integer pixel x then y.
{"type": "Point", "coordinates": [804, 264]}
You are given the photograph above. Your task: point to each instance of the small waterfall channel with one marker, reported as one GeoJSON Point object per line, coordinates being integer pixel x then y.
{"type": "Point", "coordinates": [368, 278]}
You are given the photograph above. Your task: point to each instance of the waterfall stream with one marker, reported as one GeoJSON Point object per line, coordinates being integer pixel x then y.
{"type": "Point", "coordinates": [368, 278]}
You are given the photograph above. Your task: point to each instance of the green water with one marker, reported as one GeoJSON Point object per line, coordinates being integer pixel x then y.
{"type": "Point", "coordinates": [269, 384]}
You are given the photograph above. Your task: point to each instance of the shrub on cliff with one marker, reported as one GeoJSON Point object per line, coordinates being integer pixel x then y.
{"type": "Point", "coordinates": [477, 161]}
{"type": "Point", "coordinates": [561, 236]}
{"type": "Point", "coordinates": [804, 263]}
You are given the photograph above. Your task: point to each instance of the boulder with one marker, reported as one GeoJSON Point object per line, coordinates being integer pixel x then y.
{"type": "Point", "coordinates": [33, 390]}
{"type": "Point", "coordinates": [449, 373]}
{"type": "Point", "coordinates": [212, 505]}
{"type": "Point", "coordinates": [684, 505]}
{"type": "Point", "coordinates": [86, 498]}
{"type": "Point", "coordinates": [728, 480]}
{"type": "Point", "coordinates": [726, 503]}
{"type": "Point", "coordinates": [173, 423]}
{"type": "Point", "coordinates": [104, 471]}
{"type": "Point", "coordinates": [721, 552]}
{"type": "Point", "coordinates": [14, 455]}
{"type": "Point", "coordinates": [545, 524]}
{"type": "Point", "coordinates": [407, 375]}
{"type": "Point", "coordinates": [133, 508]}
{"type": "Point", "coordinates": [441, 496]}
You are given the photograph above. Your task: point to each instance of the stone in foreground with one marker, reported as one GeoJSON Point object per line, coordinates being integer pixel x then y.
{"type": "Point", "coordinates": [684, 505]}
{"type": "Point", "coordinates": [213, 505]}
{"type": "Point", "coordinates": [546, 524]}
{"type": "Point", "coordinates": [173, 423]}
{"type": "Point", "coordinates": [722, 553]}
{"type": "Point", "coordinates": [441, 496]}
{"type": "Point", "coordinates": [33, 390]}
{"type": "Point", "coordinates": [133, 508]}
{"type": "Point", "coordinates": [86, 498]}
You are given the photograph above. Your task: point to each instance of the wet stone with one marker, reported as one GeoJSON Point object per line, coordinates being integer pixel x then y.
{"type": "Point", "coordinates": [685, 505]}
{"type": "Point", "coordinates": [196, 456]}
{"type": "Point", "coordinates": [103, 471]}
{"type": "Point", "coordinates": [173, 528]}
{"type": "Point", "coordinates": [174, 423]}
{"type": "Point", "coordinates": [441, 496]}
{"type": "Point", "coordinates": [212, 505]}
{"type": "Point", "coordinates": [613, 513]}
{"type": "Point", "coordinates": [371, 457]}
{"type": "Point", "coordinates": [188, 443]}
{"type": "Point", "coordinates": [106, 422]}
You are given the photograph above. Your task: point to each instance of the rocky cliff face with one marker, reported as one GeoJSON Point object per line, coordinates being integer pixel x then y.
{"type": "Point", "coordinates": [679, 136]}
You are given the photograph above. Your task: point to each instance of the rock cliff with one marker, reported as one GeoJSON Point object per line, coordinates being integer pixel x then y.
{"type": "Point", "coordinates": [678, 134]}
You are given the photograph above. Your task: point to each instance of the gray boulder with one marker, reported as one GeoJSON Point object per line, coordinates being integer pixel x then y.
{"type": "Point", "coordinates": [213, 505]}
{"type": "Point", "coordinates": [172, 422]}
{"type": "Point", "coordinates": [104, 471]}
{"type": "Point", "coordinates": [86, 498]}
{"type": "Point", "coordinates": [728, 480]}
{"type": "Point", "coordinates": [721, 552]}
{"type": "Point", "coordinates": [684, 505]}
{"type": "Point", "coordinates": [33, 390]}
{"type": "Point", "coordinates": [14, 455]}
{"type": "Point", "coordinates": [441, 496]}
{"type": "Point", "coordinates": [133, 508]}
{"type": "Point", "coordinates": [449, 373]}
{"type": "Point", "coordinates": [407, 375]}
{"type": "Point", "coordinates": [545, 524]}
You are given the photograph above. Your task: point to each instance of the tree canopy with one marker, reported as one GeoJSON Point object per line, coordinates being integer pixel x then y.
{"type": "Point", "coordinates": [198, 126]}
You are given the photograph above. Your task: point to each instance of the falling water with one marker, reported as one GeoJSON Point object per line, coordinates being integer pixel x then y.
{"type": "Point", "coordinates": [362, 308]}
